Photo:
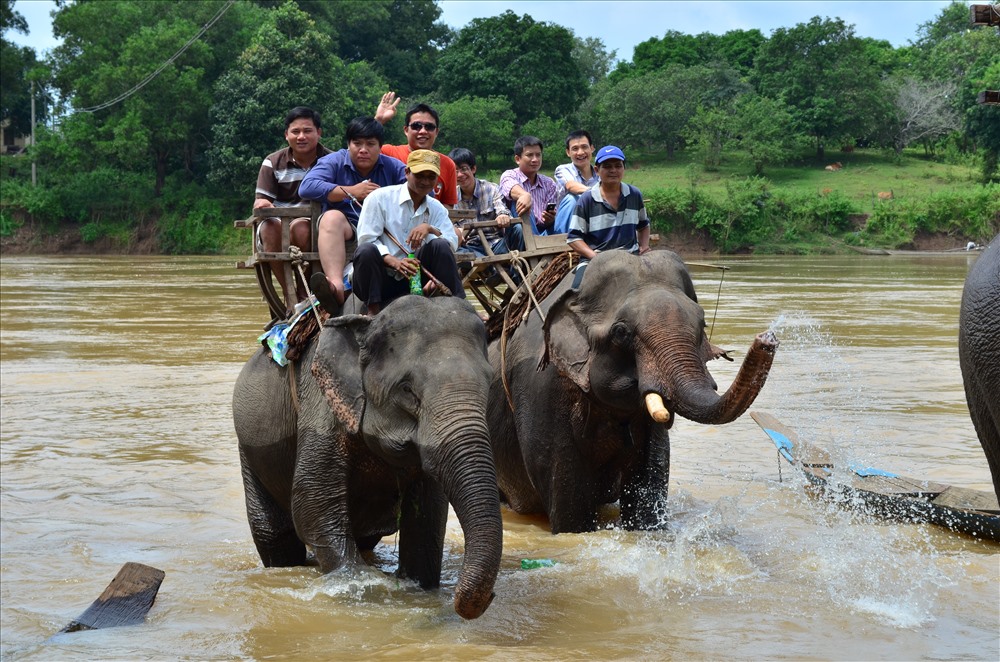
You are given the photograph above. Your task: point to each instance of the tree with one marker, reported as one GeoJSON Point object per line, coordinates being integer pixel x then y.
{"type": "Point", "coordinates": [250, 101]}
{"type": "Point", "coordinates": [485, 126]}
{"type": "Point", "coordinates": [673, 48]}
{"type": "Point", "coordinates": [552, 132]}
{"type": "Point", "coordinates": [400, 39]}
{"type": "Point", "coordinates": [592, 58]}
{"type": "Point", "coordinates": [652, 110]}
{"type": "Point", "coordinates": [820, 70]}
{"type": "Point", "coordinates": [109, 49]}
{"type": "Point", "coordinates": [709, 130]}
{"type": "Point", "coordinates": [738, 48]}
{"type": "Point", "coordinates": [982, 123]}
{"type": "Point", "coordinates": [923, 111]}
{"type": "Point", "coordinates": [765, 130]}
{"type": "Point", "coordinates": [953, 20]}
{"type": "Point", "coordinates": [18, 66]}
{"type": "Point", "coordinates": [529, 62]}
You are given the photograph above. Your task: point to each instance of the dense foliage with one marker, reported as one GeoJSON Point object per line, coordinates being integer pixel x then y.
{"type": "Point", "coordinates": [166, 108]}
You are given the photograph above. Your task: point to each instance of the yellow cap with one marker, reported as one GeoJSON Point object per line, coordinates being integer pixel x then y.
{"type": "Point", "coordinates": [421, 160]}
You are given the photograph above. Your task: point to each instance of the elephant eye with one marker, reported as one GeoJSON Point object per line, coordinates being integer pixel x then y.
{"type": "Point", "coordinates": [621, 336]}
{"type": "Point", "coordinates": [409, 398]}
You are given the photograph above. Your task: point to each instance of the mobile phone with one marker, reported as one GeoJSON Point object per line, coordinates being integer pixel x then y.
{"type": "Point", "coordinates": [550, 207]}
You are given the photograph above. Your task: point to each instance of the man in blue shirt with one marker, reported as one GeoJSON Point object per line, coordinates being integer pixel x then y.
{"type": "Point", "coordinates": [611, 215]}
{"type": "Point", "coordinates": [342, 181]}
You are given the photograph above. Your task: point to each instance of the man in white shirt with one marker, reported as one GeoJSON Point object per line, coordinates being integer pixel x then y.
{"type": "Point", "coordinates": [396, 221]}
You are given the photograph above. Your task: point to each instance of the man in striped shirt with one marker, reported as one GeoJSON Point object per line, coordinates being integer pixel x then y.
{"type": "Point", "coordinates": [279, 178]}
{"type": "Point", "coordinates": [612, 214]}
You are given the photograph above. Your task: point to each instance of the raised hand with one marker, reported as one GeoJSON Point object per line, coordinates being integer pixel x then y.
{"type": "Point", "coordinates": [387, 107]}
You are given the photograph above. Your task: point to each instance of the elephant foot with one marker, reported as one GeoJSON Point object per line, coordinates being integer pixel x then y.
{"type": "Point", "coordinates": [331, 558]}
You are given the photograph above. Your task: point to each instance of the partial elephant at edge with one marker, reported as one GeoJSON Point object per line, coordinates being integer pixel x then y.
{"type": "Point", "coordinates": [979, 352]}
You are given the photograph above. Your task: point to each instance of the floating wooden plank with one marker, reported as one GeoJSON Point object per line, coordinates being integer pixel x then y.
{"type": "Point", "coordinates": [126, 600]}
{"type": "Point", "coordinates": [885, 494]}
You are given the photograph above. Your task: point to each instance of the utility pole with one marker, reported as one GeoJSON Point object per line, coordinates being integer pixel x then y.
{"type": "Point", "coordinates": [34, 172]}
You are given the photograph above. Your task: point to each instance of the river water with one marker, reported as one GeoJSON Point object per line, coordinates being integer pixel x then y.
{"type": "Point", "coordinates": [117, 445]}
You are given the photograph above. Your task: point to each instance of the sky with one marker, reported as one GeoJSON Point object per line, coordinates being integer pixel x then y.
{"type": "Point", "coordinates": [621, 24]}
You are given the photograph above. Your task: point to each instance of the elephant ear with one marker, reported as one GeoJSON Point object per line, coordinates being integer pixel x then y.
{"type": "Point", "coordinates": [336, 367]}
{"type": "Point", "coordinates": [567, 346]}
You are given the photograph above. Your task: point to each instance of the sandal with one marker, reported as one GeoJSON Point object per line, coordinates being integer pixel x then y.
{"type": "Point", "coordinates": [324, 293]}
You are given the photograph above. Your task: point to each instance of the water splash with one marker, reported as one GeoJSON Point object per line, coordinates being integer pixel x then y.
{"type": "Point", "coordinates": [887, 571]}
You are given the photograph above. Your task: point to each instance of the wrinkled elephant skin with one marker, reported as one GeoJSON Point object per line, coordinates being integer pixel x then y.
{"type": "Point", "coordinates": [581, 404]}
{"type": "Point", "coordinates": [979, 352]}
{"type": "Point", "coordinates": [385, 428]}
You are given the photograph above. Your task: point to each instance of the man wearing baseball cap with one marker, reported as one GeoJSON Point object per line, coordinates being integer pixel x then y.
{"type": "Point", "coordinates": [611, 215]}
{"type": "Point", "coordinates": [399, 220]}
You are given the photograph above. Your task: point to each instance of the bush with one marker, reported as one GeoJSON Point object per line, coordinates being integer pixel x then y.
{"type": "Point", "coordinates": [8, 224]}
{"type": "Point", "coordinates": [743, 218]}
{"type": "Point", "coordinates": [195, 222]}
{"type": "Point", "coordinates": [972, 212]}
{"type": "Point", "coordinates": [672, 208]}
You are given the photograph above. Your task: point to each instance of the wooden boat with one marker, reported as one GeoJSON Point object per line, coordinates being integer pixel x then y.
{"type": "Point", "coordinates": [884, 494]}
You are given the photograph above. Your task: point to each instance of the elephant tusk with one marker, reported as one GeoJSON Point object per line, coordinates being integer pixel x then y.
{"type": "Point", "coordinates": [657, 410]}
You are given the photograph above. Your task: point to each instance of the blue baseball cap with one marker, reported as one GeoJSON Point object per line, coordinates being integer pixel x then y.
{"type": "Point", "coordinates": [609, 152]}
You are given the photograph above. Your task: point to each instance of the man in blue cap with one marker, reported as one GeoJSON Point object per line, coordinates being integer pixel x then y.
{"type": "Point", "coordinates": [611, 215]}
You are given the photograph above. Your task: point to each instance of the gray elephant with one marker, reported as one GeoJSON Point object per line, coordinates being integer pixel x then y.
{"type": "Point", "coordinates": [581, 404]}
{"type": "Point", "coordinates": [979, 352]}
{"type": "Point", "coordinates": [377, 428]}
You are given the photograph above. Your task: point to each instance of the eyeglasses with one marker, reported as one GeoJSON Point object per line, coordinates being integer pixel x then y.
{"type": "Point", "coordinates": [418, 126]}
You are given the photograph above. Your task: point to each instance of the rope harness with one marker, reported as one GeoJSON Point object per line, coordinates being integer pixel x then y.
{"type": "Point", "coordinates": [519, 308]}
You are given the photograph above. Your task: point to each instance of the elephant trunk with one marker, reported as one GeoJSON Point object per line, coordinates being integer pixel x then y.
{"type": "Point", "coordinates": [462, 463]}
{"type": "Point", "coordinates": [692, 394]}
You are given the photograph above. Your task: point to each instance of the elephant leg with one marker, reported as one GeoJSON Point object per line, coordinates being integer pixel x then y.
{"type": "Point", "coordinates": [571, 496]}
{"type": "Point", "coordinates": [271, 525]}
{"type": "Point", "coordinates": [422, 520]}
{"type": "Point", "coordinates": [644, 498]}
{"type": "Point", "coordinates": [985, 412]}
{"type": "Point", "coordinates": [554, 458]}
{"type": "Point", "coordinates": [319, 498]}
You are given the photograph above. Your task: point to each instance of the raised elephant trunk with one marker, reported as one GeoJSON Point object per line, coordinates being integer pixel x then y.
{"type": "Point", "coordinates": [693, 397]}
{"type": "Point", "coordinates": [462, 462]}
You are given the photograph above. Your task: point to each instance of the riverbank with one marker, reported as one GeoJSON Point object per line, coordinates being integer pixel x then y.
{"type": "Point", "coordinates": [67, 240]}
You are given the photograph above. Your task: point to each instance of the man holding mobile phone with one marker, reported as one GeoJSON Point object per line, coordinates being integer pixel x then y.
{"type": "Point", "coordinates": [526, 190]}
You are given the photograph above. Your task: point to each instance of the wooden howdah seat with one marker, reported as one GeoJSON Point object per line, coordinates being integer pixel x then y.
{"type": "Point", "coordinates": [488, 277]}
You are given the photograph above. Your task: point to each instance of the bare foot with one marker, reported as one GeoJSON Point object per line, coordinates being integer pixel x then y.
{"type": "Point", "coordinates": [338, 290]}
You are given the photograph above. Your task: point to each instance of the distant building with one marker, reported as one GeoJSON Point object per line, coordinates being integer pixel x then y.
{"type": "Point", "coordinates": [10, 143]}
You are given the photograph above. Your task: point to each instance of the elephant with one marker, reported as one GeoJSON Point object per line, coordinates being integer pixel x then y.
{"type": "Point", "coordinates": [582, 402]}
{"type": "Point", "coordinates": [376, 429]}
{"type": "Point", "coordinates": [979, 352]}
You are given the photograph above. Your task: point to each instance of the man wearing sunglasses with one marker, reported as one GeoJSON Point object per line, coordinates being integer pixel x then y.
{"type": "Point", "coordinates": [421, 128]}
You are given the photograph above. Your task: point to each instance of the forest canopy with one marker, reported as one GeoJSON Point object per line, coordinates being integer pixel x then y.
{"type": "Point", "coordinates": [159, 104]}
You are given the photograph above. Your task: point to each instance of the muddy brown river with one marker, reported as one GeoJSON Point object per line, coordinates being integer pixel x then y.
{"type": "Point", "coordinates": [117, 445]}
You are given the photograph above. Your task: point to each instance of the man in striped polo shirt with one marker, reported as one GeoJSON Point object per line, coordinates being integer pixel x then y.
{"type": "Point", "coordinates": [279, 178]}
{"type": "Point", "coordinates": [611, 215]}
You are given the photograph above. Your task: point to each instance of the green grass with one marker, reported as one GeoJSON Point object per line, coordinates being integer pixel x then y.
{"type": "Point", "coordinates": [865, 173]}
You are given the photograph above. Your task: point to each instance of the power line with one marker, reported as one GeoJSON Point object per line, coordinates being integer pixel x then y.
{"type": "Point", "coordinates": [150, 77]}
